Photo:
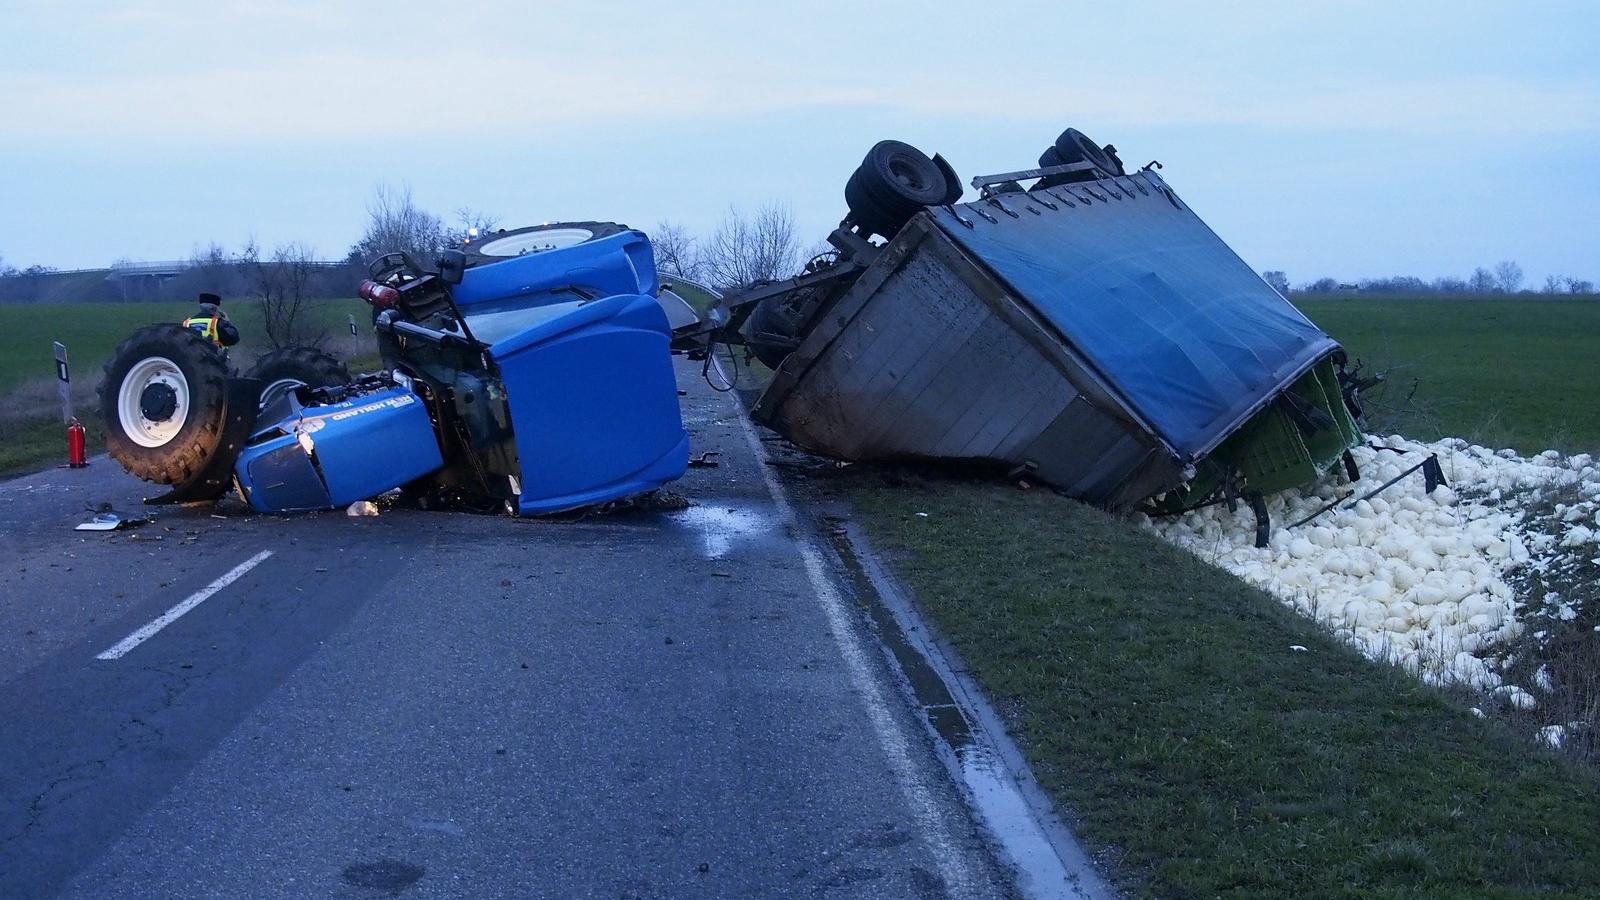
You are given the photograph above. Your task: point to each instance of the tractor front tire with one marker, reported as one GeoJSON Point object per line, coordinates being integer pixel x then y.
{"type": "Point", "coordinates": [164, 398]}
{"type": "Point", "coordinates": [283, 370]}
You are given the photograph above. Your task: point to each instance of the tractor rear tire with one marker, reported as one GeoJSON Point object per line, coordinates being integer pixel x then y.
{"type": "Point", "coordinates": [498, 246]}
{"type": "Point", "coordinates": [283, 370]}
{"type": "Point", "coordinates": [164, 398]}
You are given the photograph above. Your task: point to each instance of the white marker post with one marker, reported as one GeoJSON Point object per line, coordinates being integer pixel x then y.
{"type": "Point", "coordinates": [63, 382]}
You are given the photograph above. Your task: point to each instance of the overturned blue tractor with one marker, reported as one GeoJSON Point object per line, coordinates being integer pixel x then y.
{"type": "Point", "coordinates": [531, 374]}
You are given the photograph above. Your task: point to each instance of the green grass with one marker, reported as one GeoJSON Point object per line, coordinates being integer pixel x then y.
{"type": "Point", "coordinates": [37, 443]}
{"type": "Point", "coordinates": [31, 433]}
{"type": "Point", "coordinates": [1517, 373]}
{"type": "Point", "coordinates": [1159, 701]}
{"type": "Point", "coordinates": [92, 330]}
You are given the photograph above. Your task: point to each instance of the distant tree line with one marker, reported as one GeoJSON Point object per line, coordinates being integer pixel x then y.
{"type": "Point", "coordinates": [1506, 277]}
{"type": "Point", "coordinates": [741, 250]}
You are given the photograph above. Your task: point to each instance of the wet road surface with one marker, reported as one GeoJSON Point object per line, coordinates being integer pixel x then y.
{"type": "Point", "coordinates": [647, 704]}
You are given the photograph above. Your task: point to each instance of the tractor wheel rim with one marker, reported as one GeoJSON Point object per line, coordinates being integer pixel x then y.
{"type": "Point", "coordinates": [536, 241]}
{"type": "Point", "coordinates": [277, 389]}
{"type": "Point", "coordinates": [147, 373]}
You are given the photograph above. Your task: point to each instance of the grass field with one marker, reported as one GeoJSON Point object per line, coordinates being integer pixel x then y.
{"type": "Point", "coordinates": [1518, 373]}
{"type": "Point", "coordinates": [1161, 703]}
{"type": "Point", "coordinates": [31, 433]}
{"type": "Point", "coordinates": [91, 331]}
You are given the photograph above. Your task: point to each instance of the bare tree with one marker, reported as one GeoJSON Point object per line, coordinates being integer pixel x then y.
{"type": "Point", "coordinates": [1578, 285]}
{"type": "Point", "coordinates": [210, 268]}
{"type": "Point", "coordinates": [395, 223]}
{"type": "Point", "coordinates": [1482, 281]}
{"type": "Point", "coordinates": [471, 223]}
{"type": "Point", "coordinates": [1553, 284]}
{"type": "Point", "coordinates": [282, 287]}
{"type": "Point", "coordinates": [1508, 275]}
{"type": "Point", "coordinates": [677, 252]}
{"type": "Point", "coordinates": [743, 251]}
{"type": "Point", "coordinates": [1277, 280]}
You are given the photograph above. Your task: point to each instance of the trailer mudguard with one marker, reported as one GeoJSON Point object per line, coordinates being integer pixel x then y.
{"type": "Point", "coordinates": [594, 404]}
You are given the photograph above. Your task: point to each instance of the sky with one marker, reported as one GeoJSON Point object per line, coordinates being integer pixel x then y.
{"type": "Point", "coordinates": [1351, 139]}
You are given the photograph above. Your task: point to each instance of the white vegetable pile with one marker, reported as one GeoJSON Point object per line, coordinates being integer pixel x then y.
{"type": "Point", "coordinates": [1420, 579]}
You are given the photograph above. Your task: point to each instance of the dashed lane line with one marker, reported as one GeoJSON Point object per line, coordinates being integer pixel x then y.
{"type": "Point", "coordinates": [121, 648]}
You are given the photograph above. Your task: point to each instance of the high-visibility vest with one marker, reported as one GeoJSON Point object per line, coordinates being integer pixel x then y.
{"type": "Point", "coordinates": [205, 326]}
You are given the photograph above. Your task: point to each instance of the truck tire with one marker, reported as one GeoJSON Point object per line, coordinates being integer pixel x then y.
{"type": "Point", "coordinates": [1074, 146]}
{"type": "Point", "coordinates": [1050, 157]}
{"type": "Point", "coordinates": [163, 398]}
{"type": "Point", "coordinates": [283, 370]}
{"type": "Point", "coordinates": [866, 211]}
{"type": "Point", "coordinates": [496, 246]}
{"type": "Point", "coordinates": [893, 182]}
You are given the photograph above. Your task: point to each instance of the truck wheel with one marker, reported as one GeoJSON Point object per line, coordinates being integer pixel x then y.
{"type": "Point", "coordinates": [866, 211]}
{"type": "Point", "coordinates": [1051, 157]}
{"type": "Point", "coordinates": [1074, 146]}
{"type": "Point", "coordinates": [893, 182]}
{"type": "Point", "coordinates": [284, 370]}
{"type": "Point", "coordinates": [163, 399]}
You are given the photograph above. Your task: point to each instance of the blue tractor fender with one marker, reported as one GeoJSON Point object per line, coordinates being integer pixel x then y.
{"type": "Point", "coordinates": [594, 404]}
{"type": "Point", "coordinates": [616, 265]}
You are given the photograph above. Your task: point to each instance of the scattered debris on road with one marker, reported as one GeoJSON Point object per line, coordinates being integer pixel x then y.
{"type": "Point", "coordinates": [361, 509]}
{"type": "Point", "coordinates": [111, 521]}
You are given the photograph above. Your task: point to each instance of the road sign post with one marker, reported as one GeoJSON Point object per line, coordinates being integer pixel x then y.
{"type": "Point", "coordinates": [63, 381]}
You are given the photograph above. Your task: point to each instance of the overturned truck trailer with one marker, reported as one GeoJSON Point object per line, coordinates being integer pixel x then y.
{"type": "Point", "coordinates": [1092, 332]}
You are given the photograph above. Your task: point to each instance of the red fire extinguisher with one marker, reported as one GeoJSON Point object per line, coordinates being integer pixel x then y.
{"type": "Point", "coordinates": [76, 458]}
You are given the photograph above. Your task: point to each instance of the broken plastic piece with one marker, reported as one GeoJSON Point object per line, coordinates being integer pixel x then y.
{"type": "Point", "coordinates": [109, 521]}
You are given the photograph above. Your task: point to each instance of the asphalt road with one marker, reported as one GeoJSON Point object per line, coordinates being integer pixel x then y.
{"type": "Point", "coordinates": [646, 704]}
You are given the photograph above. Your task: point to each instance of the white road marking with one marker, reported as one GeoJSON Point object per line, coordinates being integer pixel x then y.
{"type": "Point", "coordinates": [958, 876]}
{"type": "Point", "coordinates": [122, 647]}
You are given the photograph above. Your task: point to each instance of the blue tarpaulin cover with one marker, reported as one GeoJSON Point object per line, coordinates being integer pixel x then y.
{"type": "Point", "coordinates": [1173, 319]}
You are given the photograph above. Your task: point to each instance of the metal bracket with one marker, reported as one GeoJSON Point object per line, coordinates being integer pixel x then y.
{"type": "Point", "coordinates": [1258, 505]}
{"type": "Point", "coordinates": [958, 216]}
{"type": "Point", "coordinates": [983, 181]}
{"type": "Point", "coordinates": [995, 201]}
{"type": "Point", "coordinates": [1433, 474]}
